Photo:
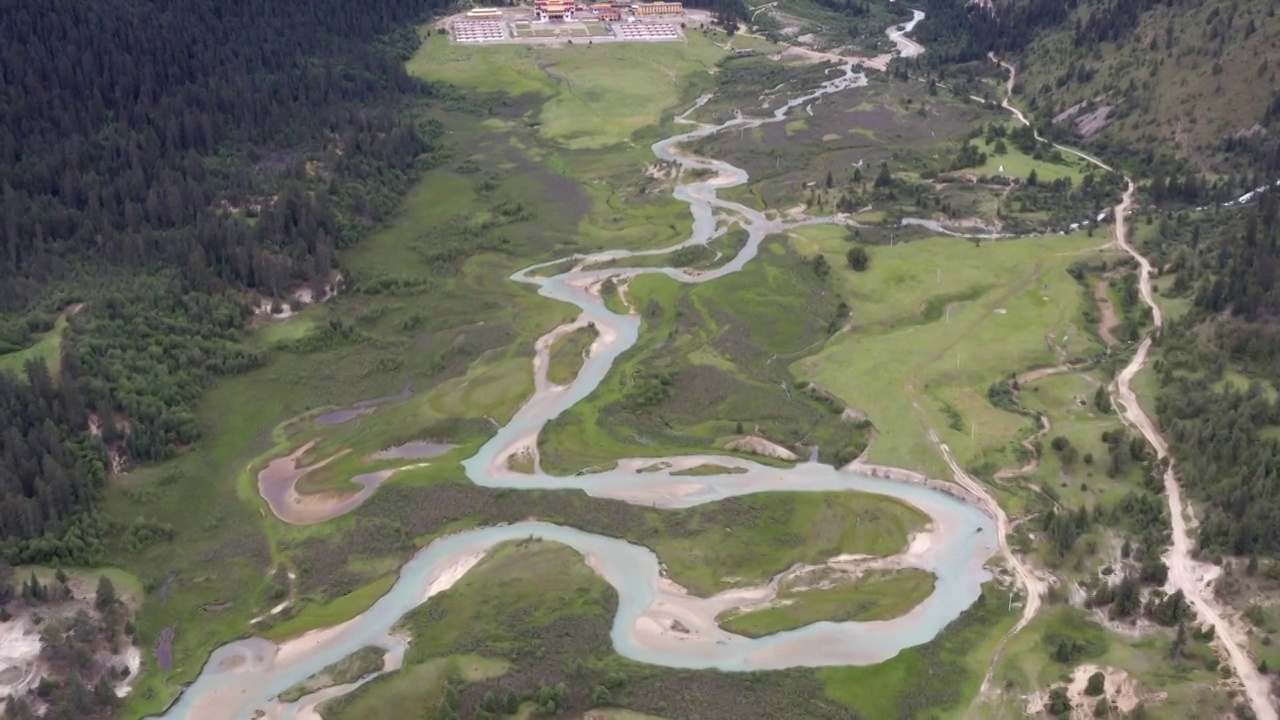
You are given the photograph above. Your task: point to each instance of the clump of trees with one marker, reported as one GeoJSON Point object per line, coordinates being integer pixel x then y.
{"type": "Point", "coordinates": [858, 258]}
{"type": "Point", "coordinates": [79, 684]}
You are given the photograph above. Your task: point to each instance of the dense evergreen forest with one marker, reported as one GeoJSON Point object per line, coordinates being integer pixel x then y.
{"type": "Point", "coordinates": [1220, 368]}
{"type": "Point", "coordinates": [161, 167]}
{"type": "Point", "coordinates": [158, 161]}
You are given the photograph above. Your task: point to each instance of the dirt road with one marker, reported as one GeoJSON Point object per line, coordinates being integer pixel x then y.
{"type": "Point", "coordinates": [1185, 574]}
{"type": "Point", "coordinates": [1109, 319]}
{"type": "Point", "coordinates": [1035, 584]}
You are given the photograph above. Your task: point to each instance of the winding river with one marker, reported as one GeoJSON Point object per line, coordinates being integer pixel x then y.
{"type": "Point", "coordinates": [244, 677]}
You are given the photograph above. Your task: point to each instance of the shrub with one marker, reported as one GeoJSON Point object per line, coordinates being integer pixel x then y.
{"type": "Point", "coordinates": [858, 258]}
{"type": "Point", "coordinates": [1096, 686]}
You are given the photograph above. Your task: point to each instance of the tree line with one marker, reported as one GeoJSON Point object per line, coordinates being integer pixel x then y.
{"type": "Point", "coordinates": [157, 164]}
{"type": "Point", "coordinates": [1219, 368]}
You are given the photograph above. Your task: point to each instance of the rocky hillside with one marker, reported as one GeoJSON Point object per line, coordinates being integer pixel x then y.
{"type": "Point", "coordinates": [1196, 79]}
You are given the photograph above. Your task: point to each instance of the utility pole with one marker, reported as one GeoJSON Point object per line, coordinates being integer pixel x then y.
{"type": "Point", "coordinates": [939, 276]}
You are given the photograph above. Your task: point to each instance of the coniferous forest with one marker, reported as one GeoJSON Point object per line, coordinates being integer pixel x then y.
{"type": "Point", "coordinates": [1223, 428]}
{"type": "Point", "coordinates": [162, 166]}
{"type": "Point", "coordinates": [162, 161]}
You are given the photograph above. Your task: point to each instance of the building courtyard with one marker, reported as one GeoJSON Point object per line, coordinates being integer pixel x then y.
{"type": "Point", "coordinates": [566, 21]}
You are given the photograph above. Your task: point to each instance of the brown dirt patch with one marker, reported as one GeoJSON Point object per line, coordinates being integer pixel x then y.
{"type": "Point", "coordinates": [1107, 308]}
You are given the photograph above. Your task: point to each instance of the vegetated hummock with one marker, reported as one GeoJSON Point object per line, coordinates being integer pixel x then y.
{"type": "Point", "coordinates": [876, 595]}
{"type": "Point", "coordinates": [365, 661]}
{"type": "Point", "coordinates": [567, 354]}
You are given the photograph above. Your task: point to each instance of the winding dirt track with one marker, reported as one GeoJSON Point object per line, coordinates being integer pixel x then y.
{"type": "Point", "coordinates": [1185, 574]}
{"type": "Point", "coordinates": [1035, 584]}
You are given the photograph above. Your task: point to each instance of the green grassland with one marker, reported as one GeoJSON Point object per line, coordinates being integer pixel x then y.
{"type": "Point", "coordinates": [939, 679]}
{"type": "Point", "coordinates": [567, 355]}
{"type": "Point", "coordinates": [1186, 683]}
{"type": "Point", "coordinates": [934, 324]}
{"type": "Point", "coordinates": [736, 542]}
{"type": "Point", "coordinates": [365, 661]}
{"type": "Point", "coordinates": [594, 95]}
{"type": "Point", "coordinates": [788, 528]}
{"type": "Point", "coordinates": [537, 612]}
{"type": "Point", "coordinates": [877, 595]}
{"type": "Point", "coordinates": [538, 606]}
{"type": "Point", "coordinates": [1018, 164]}
{"type": "Point", "coordinates": [710, 363]}
{"type": "Point", "coordinates": [46, 349]}
{"type": "Point", "coordinates": [1067, 400]}
{"type": "Point", "coordinates": [406, 691]}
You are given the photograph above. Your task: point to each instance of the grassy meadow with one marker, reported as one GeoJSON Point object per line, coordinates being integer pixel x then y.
{"type": "Point", "coordinates": [548, 152]}
{"type": "Point", "coordinates": [786, 528]}
{"type": "Point", "coordinates": [1018, 164]}
{"type": "Point", "coordinates": [595, 95]}
{"type": "Point", "coordinates": [709, 365]}
{"type": "Point", "coordinates": [567, 355]}
{"type": "Point", "coordinates": [46, 348]}
{"type": "Point", "coordinates": [934, 324]}
{"type": "Point", "coordinates": [1168, 688]}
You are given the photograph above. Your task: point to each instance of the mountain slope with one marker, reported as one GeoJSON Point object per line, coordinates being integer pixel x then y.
{"type": "Point", "coordinates": [1191, 78]}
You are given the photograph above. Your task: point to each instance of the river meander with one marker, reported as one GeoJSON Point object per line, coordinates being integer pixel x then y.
{"type": "Point", "coordinates": [244, 677]}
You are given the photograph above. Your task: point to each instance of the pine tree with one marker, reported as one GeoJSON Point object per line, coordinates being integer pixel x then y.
{"type": "Point", "coordinates": [1102, 400]}
{"type": "Point", "coordinates": [883, 179]}
{"type": "Point", "coordinates": [105, 596]}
